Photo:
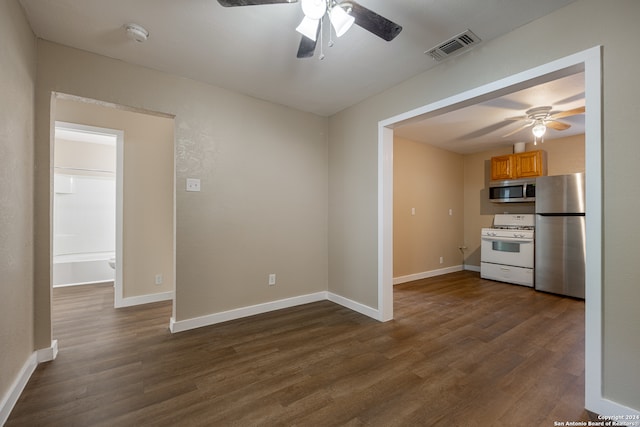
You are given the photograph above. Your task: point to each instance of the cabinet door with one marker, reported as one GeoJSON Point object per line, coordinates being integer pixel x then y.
{"type": "Point", "coordinates": [502, 167]}
{"type": "Point", "coordinates": [530, 164]}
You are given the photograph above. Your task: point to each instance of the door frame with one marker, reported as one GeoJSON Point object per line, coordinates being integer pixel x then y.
{"type": "Point", "coordinates": [589, 61]}
{"type": "Point", "coordinates": [119, 135]}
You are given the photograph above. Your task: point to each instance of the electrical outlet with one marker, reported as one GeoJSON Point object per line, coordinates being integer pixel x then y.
{"type": "Point", "coordinates": [441, 260]}
{"type": "Point", "coordinates": [272, 279]}
{"type": "Point", "coordinates": [193, 184]}
{"type": "Point", "coordinates": [158, 279]}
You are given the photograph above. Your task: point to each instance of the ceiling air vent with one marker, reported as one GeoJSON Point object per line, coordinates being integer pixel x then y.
{"type": "Point", "coordinates": [458, 44]}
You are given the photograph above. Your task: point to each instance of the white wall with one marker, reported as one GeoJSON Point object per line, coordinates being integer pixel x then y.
{"type": "Point", "coordinates": [84, 201]}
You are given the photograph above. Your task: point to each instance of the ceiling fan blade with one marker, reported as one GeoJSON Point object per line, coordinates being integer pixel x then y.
{"type": "Point", "coordinates": [374, 23]}
{"type": "Point", "coordinates": [517, 130]}
{"type": "Point", "coordinates": [567, 113]}
{"type": "Point", "coordinates": [307, 48]}
{"type": "Point", "coordinates": [233, 3]}
{"type": "Point", "coordinates": [557, 125]}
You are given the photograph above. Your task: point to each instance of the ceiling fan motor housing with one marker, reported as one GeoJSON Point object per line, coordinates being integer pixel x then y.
{"type": "Point", "coordinates": [538, 113]}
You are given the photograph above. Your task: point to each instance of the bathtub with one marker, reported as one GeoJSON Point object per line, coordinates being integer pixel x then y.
{"type": "Point", "coordinates": [82, 269]}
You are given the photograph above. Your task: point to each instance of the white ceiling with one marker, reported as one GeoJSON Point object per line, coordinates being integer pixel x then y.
{"type": "Point", "coordinates": [483, 126]}
{"type": "Point", "coordinates": [252, 49]}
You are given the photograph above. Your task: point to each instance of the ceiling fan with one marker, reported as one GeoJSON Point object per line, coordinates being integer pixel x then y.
{"type": "Point", "coordinates": [540, 118]}
{"type": "Point", "coordinates": [341, 14]}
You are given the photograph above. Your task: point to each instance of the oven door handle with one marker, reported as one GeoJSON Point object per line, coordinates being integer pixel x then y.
{"type": "Point", "coordinates": [506, 239]}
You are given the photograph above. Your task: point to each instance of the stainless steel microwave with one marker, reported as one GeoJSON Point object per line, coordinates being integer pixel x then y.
{"type": "Point", "coordinates": [513, 191]}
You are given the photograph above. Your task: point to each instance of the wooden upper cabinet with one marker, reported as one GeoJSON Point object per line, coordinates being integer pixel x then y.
{"type": "Point", "coordinates": [503, 167]}
{"type": "Point", "coordinates": [520, 165]}
{"type": "Point", "coordinates": [531, 163]}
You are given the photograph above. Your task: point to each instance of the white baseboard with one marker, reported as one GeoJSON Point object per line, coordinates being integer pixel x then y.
{"type": "Point", "coordinates": [238, 313]}
{"type": "Point", "coordinates": [47, 354]}
{"type": "Point", "coordinates": [475, 268]}
{"type": "Point", "coordinates": [225, 316]}
{"type": "Point", "coordinates": [609, 410]}
{"type": "Point", "coordinates": [355, 306]}
{"type": "Point", "coordinates": [426, 274]}
{"type": "Point", "coordinates": [13, 394]}
{"type": "Point", "coordinates": [143, 299]}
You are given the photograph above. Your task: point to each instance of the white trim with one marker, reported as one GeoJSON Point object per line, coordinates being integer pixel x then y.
{"type": "Point", "coordinates": [385, 223]}
{"type": "Point", "coordinates": [13, 394]}
{"type": "Point", "coordinates": [97, 282]}
{"type": "Point", "coordinates": [47, 354]}
{"type": "Point", "coordinates": [609, 408]}
{"type": "Point", "coordinates": [143, 299]}
{"type": "Point", "coordinates": [590, 61]}
{"type": "Point", "coordinates": [119, 135]}
{"type": "Point", "coordinates": [475, 268]}
{"type": "Point", "coordinates": [426, 274]}
{"type": "Point", "coordinates": [238, 313]}
{"type": "Point", "coordinates": [118, 292]}
{"type": "Point", "coordinates": [353, 305]}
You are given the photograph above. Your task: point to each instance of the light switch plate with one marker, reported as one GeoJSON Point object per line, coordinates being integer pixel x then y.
{"type": "Point", "coordinates": [193, 184]}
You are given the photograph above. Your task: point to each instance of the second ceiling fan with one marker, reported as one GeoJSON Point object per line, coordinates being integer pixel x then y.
{"type": "Point", "coordinates": [540, 118]}
{"type": "Point", "coordinates": [341, 15]}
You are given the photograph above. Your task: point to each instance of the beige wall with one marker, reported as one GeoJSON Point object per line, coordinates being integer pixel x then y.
{"type": "Point", "coordinates": [417, 239]}
{"type": "Point", "coordinates": [233, 142]}
{"type": "Point", "coordinates": [17, 83]}
{"type": "Point", "coordinates": [581, 25]}
{"type": "Point", "coordinates": [564, 155]}
{"type": "Point", "coordinates": [430, 180]}
{"type": "Point", "coordinates": [148, 231]}
{"type": "Point", "coordinates": [262, 207]}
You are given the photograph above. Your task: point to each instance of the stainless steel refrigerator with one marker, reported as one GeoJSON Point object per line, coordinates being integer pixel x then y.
{"type": "Point", "coordinates": [560, 251]}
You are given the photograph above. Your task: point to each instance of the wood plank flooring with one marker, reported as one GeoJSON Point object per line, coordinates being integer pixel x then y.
{"type": "Point", "coordinates": [462, 351]}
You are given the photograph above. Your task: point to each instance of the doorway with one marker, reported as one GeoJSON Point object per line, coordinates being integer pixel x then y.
{"type": "Point", "coordinates": [145, 213]}
{"type": "Point", "coordinates": [87, 200]}
{"type": "Point", "coordinates": [588, 61]}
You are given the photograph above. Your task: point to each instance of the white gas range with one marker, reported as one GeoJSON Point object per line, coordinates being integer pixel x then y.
{"type": "Point", "coordinates": [507, 249]}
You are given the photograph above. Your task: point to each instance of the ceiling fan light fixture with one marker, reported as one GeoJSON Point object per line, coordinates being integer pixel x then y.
{"type": "Point", "coordinates": [309, 28]}
{"type": "Point", "coordinates": [314, 9]}
{"type": "Point", "coordinates": [539, 129]}
{"type": "Point", "coordinates": [340, 20]}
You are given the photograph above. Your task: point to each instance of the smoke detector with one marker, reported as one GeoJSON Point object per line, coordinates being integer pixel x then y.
{"type": "Point", "coordinates": [136, 32]}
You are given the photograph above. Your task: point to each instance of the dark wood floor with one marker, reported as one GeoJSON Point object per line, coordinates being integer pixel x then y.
{"type": "Point", "coordinates": [462, 351]}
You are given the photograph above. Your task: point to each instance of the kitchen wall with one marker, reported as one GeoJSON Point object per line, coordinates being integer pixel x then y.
{"type": "Point", "coordinates": [353, 162]}
{"type": "Point", "coordinates": [148, 208]}
{"type": "Point", "coordinates": [429, 180]}
{"type": "Point", "coordinates": [564, 155]}
{"type": "Point", "coordinates": [17, 87]}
